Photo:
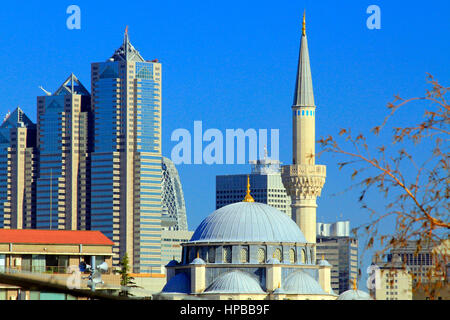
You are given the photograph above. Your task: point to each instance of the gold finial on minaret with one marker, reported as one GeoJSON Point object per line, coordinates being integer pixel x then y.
{"type": "Point", "coordinates": [304, 24]}
{"type": "Point", "coordinates": [248, 197]}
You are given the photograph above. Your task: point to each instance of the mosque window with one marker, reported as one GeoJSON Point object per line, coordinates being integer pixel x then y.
{"type": "Point", "coordinates": [303, 112]}
{"type": "Point", "coordinates": [212, 255]}
{"type": "Point", "coordinates": [226, 254]}
{"type": "Point", "coordinates": [277, 254]}
{"type": "Point", "coordinates": [303, 258]}
{"type": "Point", "coordinates": [243, 255]}
{"type": "Point", "coordinates": [292, 256]}
{"type": "Point", "coordinates": [261, 255]}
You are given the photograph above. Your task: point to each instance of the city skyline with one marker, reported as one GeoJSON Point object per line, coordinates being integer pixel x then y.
{"type": "Point", "coordinates": [371, 82]}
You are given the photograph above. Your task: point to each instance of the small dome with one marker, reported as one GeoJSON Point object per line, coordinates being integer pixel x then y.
{"type": "Point", "coordinates": [248, 222]}
{"type": "Point", "coordinates": [299, 282]}
{"type": "Point", "coordinates": [179, 283]}
{"type": "Point", "coordinates": [172, 263]}
{"type": "Point", "coordinates": [198, 261]}
{"type": "Point", "coordinates": [235, 281]}
{"type": "Point", "coordinates": [273, 261]}
{"type": "Point", "coordinates": [324, 262]}
{"type": "Point", "coordinates": [354, 295]}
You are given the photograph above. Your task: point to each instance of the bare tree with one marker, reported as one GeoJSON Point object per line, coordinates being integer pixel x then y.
{"type": "Point", "coordinates": [411, 172]}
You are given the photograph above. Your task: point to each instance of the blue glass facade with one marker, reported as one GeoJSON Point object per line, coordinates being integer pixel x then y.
{"type": "Point", "coordinates": [126, 169]}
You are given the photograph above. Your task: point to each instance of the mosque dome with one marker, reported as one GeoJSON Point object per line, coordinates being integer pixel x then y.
{"type": "Point", "coordinates": [235, 281]}
{"type": "Point", "coordinates": [354, 295]}
{"type": "Point", "coordinates": [300, 282]}
{"type": "Point", "coordinates": [179, 283]}
{"type": "Point", "coordinates": [248, 222]}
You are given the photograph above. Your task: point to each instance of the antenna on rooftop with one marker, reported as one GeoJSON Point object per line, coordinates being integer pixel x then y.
{"type": "Point", "coordinates": [46, 92]}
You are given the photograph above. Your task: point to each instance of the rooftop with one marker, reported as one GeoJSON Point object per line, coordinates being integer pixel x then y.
{"type": "Point", "coordinates": [33, 236]}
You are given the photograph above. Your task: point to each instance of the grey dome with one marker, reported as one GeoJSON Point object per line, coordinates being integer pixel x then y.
{"type": "Point", "coordinates": [235, 281]}
{"type": "Point", "coordinates": [354, 295]}
{"type": "Point", "coordinates": [179, 283]}
{"type": "Point", "coordinates": [248, 222]}
{"type": "Point", "coordinates": [299, 282]}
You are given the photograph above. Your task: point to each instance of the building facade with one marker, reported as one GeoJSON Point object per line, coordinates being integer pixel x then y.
{"type": "Point", "coordinates": [62, 193]}
{"type": "Point", "coordinates": [126, 168]}
{"type": "Point", "coordinates": [54, 256]}
{"type": "Point", "coordinates": [18, 162]}
{"type": "Point", "coordinates": [248, 250]}
{"type": "Point", "coordinates": [395, 281]}
{"type": "Point", "coordinates": [342, 253]}
{"type": "Point", "coordinates": [267, 186]}
{"type": "Point", "coordinates": [173, 205]}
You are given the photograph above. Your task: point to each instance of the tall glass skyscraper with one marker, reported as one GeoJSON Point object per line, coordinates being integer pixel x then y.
{"type": "Point", "coordinates": [126, 162]}
{"type": "Point", "coordinates": [62, 193]}
{"type": "Point", "coordinates": [174, 208]}
{"type": "Point", "coordinates": [17, 171]}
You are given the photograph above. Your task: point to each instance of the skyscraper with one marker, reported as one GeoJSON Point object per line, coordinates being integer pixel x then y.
{"type": "Point", "coordinates": [304, 179]}
{"type": "Point", "coordinates": [126, 162]}
{"type": "Point", "coordinates": [174, 208]}
{"type": "Point", "coordinates": [335, 244]}
{"type": "Point", "coordinates": [267, 187]}
{"type": "Point", "coordinates": [62, 195]}
{"type": "Point", "coordinates": [17, 171]}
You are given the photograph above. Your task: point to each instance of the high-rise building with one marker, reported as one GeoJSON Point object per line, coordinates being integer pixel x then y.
{"type": "Point", "coordinates": [17, 171]}
{"type": "Point", "coordinates": [126, 168]}
{"type": "Point", "coordinates": [173, 205]}
{"type": "Point", "coordinates": [335, 244]}
{"type": "Point", "coordinates": [395, 281]}
{"type": "Point", "coordinates": [304, 179]}
{"type": "Point", "coordinates": [267, 187]}
{"type": "Point", "coordinates": [62, 193]}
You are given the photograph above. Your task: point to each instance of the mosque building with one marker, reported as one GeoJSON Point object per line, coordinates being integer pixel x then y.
{"type": "Point", "coordinates": [250, 250]}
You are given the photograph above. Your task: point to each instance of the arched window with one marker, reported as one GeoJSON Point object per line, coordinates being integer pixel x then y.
{"type": "Point", "coordinates": [261, 255]}
{"type": "Point", "coordinates": [303, 112]}
{"type": "Point", "coordinates": [211, 255]}
{"type": "Point", "coordinates": [303, 257]}
{"type": "Point", "coordinates": [243, 255]}
{"type": "Point", "coordinates": [277, 254]}
{"type": "Point", "coordinates": [292, 256]}
{"type": "Point", "coordinates": [226, 254]}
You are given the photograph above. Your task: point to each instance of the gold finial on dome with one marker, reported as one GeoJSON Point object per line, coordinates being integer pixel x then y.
{"type": "Point", "coordinates": [248, 197]}
{"type": "Point", "coordinates": [354, 285]}
{"type": "Point", "coordinates": [304, 24]}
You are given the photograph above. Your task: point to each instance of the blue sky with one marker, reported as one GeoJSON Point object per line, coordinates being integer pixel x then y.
{"type": "Point", "coordinates": [232, 65]}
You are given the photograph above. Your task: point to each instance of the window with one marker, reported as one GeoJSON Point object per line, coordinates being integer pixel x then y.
{"type": "Point", "coordinates": [261, 255]}
{"type": "Point", "coordinates": [277, 254]}
{"type": "Point", "coordinates": [292, 256]}
{"type": "Point", "coordinates": [211, 255]}
{"type": "Point", "coordinates": [226, 254]}
{"type": "Point", "coordinates": [243, 256]}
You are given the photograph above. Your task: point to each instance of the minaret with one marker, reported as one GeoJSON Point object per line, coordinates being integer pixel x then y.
{"type": "Point", "coordinates": [304, 179]}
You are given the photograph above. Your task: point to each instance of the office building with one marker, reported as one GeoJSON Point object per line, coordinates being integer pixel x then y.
{"type": "Point", "coordinates": [126, 171]}
{"type": "Point", "coordinates": [173, 205]}
{"type": "Point", "coordinates": [428, 266]}
{"type": "Point", "coordinates": [335, 244]}
{"type": "Point", "coordinates": [267, 186]}
{"type": "Point", "coordinates": [395, 281]}
{"type": "Point", "coordinates": [62, 194]}
{"type": "Point", "coordinates": [18, 163]}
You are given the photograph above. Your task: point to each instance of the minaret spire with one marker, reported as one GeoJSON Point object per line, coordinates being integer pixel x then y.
{"type": "Point", "coordinates": [304, 179]}
{"type": "Point", "coordinates": [303, 95]}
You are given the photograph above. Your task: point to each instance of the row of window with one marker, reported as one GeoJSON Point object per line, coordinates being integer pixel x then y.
{"type": "Point", "coordinates": [304, 112]}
